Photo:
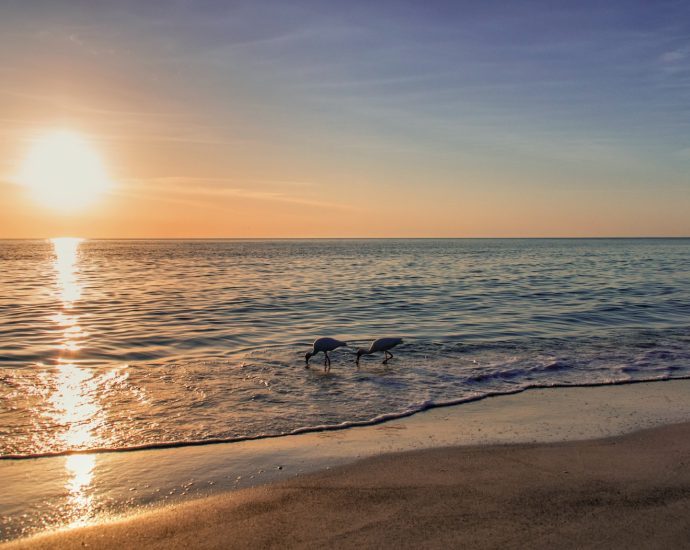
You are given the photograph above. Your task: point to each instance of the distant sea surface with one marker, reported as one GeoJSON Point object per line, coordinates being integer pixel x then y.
{"type": "Point", "coordinates": [124, 344]}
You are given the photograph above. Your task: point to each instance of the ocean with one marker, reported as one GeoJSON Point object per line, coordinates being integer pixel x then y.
{"type": "Point", "coordinates": [124, 344]}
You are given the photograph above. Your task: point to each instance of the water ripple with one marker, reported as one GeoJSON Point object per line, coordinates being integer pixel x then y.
{"type": "Point", "coordinates": [126, 344]}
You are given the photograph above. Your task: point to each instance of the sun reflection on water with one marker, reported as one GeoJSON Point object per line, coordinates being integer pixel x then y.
{"type": "Point", "coordinates": [66, 265]}
{"type": "Point", "coordinates": [66, 257]}
{"type": "Point", "coordinates": [80, 502]}
{"type": "Point", "coordinates": [74, 399]}
{"type": "Point", "coordinates": [74, 406]}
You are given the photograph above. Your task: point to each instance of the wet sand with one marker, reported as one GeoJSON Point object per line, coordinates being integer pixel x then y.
{"type": "Point", "coordinates": [620, 492]}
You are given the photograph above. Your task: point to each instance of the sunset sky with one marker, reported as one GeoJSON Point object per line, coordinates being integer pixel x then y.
{"type": "Point", "coordinates": [345, 119]}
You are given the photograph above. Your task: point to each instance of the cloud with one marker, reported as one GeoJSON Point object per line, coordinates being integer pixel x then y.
{"type": "Point", "coordinates": [674, 56]}
{"type": "Point", "coordinates": [209, 190]}
{"type": "Point", "coordinates": [76, 105]}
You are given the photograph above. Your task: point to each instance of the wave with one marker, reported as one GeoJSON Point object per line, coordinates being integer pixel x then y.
{"type": "Point", "coordinates": [412, 410]}
{"type": "Point", "coordinates": [132, 345]}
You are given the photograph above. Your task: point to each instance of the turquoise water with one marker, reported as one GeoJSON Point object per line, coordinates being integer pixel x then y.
{"type": "Point", "coordinates": [123, 344]}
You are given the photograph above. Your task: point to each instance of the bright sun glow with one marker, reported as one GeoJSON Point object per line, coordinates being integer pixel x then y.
{"type": "Point", "coordinates": [63, 171]}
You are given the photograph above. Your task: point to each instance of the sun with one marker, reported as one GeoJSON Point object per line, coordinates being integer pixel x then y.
{"type": "Point", "coordinates": [63, 171]}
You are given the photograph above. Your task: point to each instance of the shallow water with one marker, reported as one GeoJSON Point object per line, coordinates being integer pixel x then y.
{"type": "Point", "coordinates": [121, 344]}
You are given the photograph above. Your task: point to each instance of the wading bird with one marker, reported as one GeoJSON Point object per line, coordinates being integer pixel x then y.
{"type": "Point", "coordinates": [382, 344]}
{"type": "Point", "coordinates": [325, 345]}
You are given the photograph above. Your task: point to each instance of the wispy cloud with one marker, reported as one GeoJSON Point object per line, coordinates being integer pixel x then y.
{"type": "Point", "coordinates": [185, 189]}
{"type": "Point", "coordinates": [78, 105]}
{"type": "Point", "coordinates": [673, 56]}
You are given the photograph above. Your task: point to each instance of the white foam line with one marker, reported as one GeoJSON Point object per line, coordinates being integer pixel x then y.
{"type": "Point", "coordinates": [426, 405]}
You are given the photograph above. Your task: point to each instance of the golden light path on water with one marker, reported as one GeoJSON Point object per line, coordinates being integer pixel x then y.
{"type": "Point", "coordinates": [74, 400]}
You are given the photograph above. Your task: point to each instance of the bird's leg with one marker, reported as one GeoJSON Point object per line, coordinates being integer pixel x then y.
{"type": "Point", "coordinates": [326, 360]}
{"type": "Point", "coordinates": [386, 357]}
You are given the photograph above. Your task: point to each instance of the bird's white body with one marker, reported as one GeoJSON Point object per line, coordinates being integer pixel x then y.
{"type": "Point", "coordinates": [327, 344]}
{"type": "Point", "coordinates": [382, 344]}
{"type": "Point", "coordinates": [324, 345]}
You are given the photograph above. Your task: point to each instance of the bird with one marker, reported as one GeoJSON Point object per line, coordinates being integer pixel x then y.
{"type": "Point", "coordinates": [325, 345]}
{"type": "Point", "coordinates": [382, 344]}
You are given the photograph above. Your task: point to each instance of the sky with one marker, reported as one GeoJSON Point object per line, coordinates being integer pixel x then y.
{"type": "Point", "coordinates": [351, 119]}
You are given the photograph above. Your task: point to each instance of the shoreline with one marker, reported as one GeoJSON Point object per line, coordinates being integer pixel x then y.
{"type": "Point", "coordinates": [627, 491]}
{"type": "Point", "coordinates": [382, 419]}
{"type": "Point", "coordinates": [113, 485]}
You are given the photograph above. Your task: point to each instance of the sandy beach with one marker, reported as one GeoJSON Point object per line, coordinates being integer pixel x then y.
{"type": "Point", "coordinates": [617, 492]}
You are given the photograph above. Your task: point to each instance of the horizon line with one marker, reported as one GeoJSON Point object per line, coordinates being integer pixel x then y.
{"type": "Point", "coordinates": [619, 237]}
